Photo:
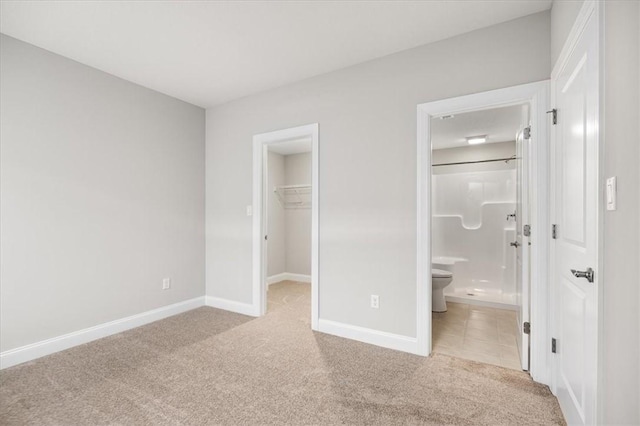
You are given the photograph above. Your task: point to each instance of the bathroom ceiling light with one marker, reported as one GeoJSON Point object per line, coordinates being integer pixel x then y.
{"type": "Point", "coordinates": [475, 140]}
{"type": "Point", "coordinates": [447, 117]}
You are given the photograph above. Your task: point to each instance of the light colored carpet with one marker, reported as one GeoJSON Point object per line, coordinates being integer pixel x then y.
{"type": "Point", "coordinates": [209, 366]}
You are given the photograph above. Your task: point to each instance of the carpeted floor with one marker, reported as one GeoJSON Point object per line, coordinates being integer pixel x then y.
{"type": "Point", "coordinates": [209, 366]}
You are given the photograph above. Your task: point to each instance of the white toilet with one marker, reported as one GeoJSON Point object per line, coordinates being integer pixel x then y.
{"type": "Point", "coordinates": [439, 280]}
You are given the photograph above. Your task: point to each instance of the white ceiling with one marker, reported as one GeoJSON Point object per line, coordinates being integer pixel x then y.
{"type": "Point", "coordinates": [499, 124]}
{"type": "Point", "coordinates": [208, 53]}
{"type": "Point", "coordinates": [295, 146]}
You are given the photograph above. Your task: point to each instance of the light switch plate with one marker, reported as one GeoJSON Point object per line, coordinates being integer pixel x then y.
{"type": "Point", "coordinates": [612, 193]}
{"type": "Point", "coordinates": [375, 301]}
{"type": "Point", "coordinates": [249, 210]}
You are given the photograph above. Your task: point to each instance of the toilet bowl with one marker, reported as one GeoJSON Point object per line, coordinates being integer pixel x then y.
{"type": "Point", "coordinates": [439, 280]}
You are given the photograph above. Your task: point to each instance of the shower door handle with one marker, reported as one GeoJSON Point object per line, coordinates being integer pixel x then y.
{"type": "Point", "coordinates": [515, 244]}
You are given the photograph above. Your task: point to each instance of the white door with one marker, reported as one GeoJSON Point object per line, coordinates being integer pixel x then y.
{"type": "Point", "coordinates": [574, 249]}
{"type": "Point", "coordinates": [522, 239]}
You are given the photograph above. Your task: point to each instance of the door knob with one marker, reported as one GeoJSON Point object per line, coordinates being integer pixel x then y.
{"type": "Point", "coordinates": [515, 244]}
{"type": "Point", "coordinates": [588, 274]}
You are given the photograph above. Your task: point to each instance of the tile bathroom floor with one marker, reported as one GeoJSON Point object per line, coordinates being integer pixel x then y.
{"type": "Point", "coordinates": [477, 333]}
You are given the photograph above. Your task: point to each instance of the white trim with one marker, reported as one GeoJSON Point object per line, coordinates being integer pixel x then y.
{"type": "Point", "coordinates": [588, 7]}
{"type": "Point", "coordinates": [276, 278]}
{"type": "Point", "coordinates": [260, 144]}
{"type": "Point", "coordinates": [539, 216]}
{"type": "Point", "coordinates": [288, 276]}
{"type": "Point", "coordinates": [599, 16]}
{"type": "Point", "coordinates": [368, 335]}
{"type": "Point", "coordinates": [232, 306]}
{"type": "Point", "coordinates": [537, 95]}
{"type": "Point", "coordinates": [56, 344]}
{"type": "Point", "coordinates": [315, 228]}
{"type": "Point", "coordinates": [423, 261]}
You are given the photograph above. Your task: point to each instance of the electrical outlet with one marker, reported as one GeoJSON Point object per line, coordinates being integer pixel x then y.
{"type": "Point", "coordinates": [375, 301]}
{"type": "Point", "coordinates": [166, 283]}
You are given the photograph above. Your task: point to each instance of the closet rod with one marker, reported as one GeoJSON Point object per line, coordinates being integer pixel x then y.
{"type": "Point", "coordinates": [506, 160]}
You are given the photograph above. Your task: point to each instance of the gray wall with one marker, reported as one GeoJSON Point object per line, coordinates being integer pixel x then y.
{"type": "Point", "coordinates": [367, 207]}
{"type": "Point", "coordinates": [563, 15]}
{"type": "Point", "coordinates": [276, 253]}
{"type": "Point", "coordinates": [298, 221]}
{"type": "Point", "coordinates": [102, 196]}
{"type": "Point", "coordinates": [621, 284]}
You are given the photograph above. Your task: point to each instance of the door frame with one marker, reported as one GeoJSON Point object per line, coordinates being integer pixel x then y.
{"type": "Point", "coordinates": [590, 10]}
{"type": "Point", "coordinates": [261, 143]}
{"type": "Point", "coordinates": [537, 95]}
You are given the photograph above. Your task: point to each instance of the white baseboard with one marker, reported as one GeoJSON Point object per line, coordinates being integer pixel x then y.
{"type": "Point", "coordinates": [288, 276]}
{"type": "Point", "coordinates": [233, 306]}
{"type": "Point", "coordinates": [276, 278]}
{"type": "Point", "coordinates": [56, 344]}
{"type": "Point", "coordinates": [368, 335]}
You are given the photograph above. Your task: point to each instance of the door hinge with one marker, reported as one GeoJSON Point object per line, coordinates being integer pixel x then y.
{"type": "Point", "coordinates": [554, 231]}
{"type": "Point", "coordinates": [526, 133]}
{"type": "Point", "coordinates": [554, 113]}
{"type": "Point", "coordinates": [526, 230]}
{"type": "Point", "coordinates": [526, 328]}
{"type": "Point", "coordinates": [553, 345]}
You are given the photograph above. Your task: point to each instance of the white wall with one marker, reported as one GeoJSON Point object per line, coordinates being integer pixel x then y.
{"type": "Point", "coordinates": [298, 221]}
{"type": "Point", "coordinates": [367, 187]}
{"type": "Point", "coordinates": [621, 284]}
{"type": "Point", "coordinates": [276, 228]}
{"type": "Point", "coordinates": [102, 195]}
{"type": "Point", "coordinates": [563, 15]}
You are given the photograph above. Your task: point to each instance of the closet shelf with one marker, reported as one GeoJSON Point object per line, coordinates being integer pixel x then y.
{"type": "Point", "coordinates": [294, 196]}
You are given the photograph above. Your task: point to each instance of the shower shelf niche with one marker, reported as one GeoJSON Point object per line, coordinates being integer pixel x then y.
{"type": "Point", "coordinates": [294, 196]}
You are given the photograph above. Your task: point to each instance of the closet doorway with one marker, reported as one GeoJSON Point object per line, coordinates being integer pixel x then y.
{"type": "Point", "coordinates": [285, 219]}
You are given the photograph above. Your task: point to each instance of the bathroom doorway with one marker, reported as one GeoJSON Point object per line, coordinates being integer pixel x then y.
{"type": "Point", "coordinates": [483, 227]}
{"type": "Point", "coordinates": [479, 266]}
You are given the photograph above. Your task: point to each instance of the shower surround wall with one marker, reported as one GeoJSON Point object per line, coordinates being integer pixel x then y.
{"type": "Point", "coordinates": [471, 233]}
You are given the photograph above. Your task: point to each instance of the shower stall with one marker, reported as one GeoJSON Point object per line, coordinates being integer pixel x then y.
{"type": "Point", "coordinates": [473, 226]}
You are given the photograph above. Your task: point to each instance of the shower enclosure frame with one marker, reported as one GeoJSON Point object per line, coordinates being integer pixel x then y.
{"type": "Point", "coordinates": [537, 96]}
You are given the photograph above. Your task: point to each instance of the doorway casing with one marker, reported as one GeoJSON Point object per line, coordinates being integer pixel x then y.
{"type": "Point", "coordinates": [536, 95]}
{"type": "Point", "coordinates": [261, 143]}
